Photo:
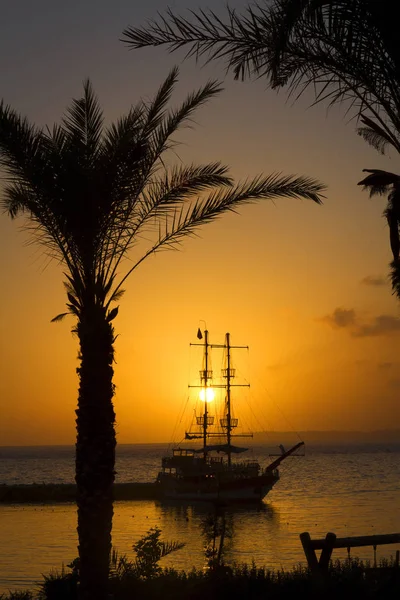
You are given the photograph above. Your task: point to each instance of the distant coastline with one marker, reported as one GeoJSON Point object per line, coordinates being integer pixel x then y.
{"type": "Point", "coordinates": [333, 437]}
{"type": "Point", "coordinates": [384, 436]}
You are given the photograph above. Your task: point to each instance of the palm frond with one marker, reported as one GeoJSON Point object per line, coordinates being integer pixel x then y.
{"type": "Point", "coordinates": [59, 317]}
{"type": "Point", "coordinates": [373, 138]}
{"type": "Point", "coordinates": [378, 182]}
{"type": "Point", "coordinates": [117, 296]}
{"type": "Point", "coordinates": [84, 121]}
{"type": "Point", "coordinates": [155, 111]}
{"type": "Point", "coordinates": [167, 548]}
{"type": "Point", "coordinates": [161, 198]}
{"type": "Point", "coordinates": [178, 118]}
{"type": "Point", "coordinates": [112, 314]}
{"type": "Point", "coordinates": [218, 202]}
{"type": "Point", "coordinates": [21, 148]}
{"type": "Point", "coordinates": [123, 130]}
{"type": "Point", "coordinates": [375, 135]}
{"type": "Point", "coordinates": [188, 219]}
{"type": "Point", "coordinates": [55, 137]}
{"type": "Point", "coordinates": [180, 184]}
{"type": "Point", "coordinates": [343, 51]}
{"type": "Point", "coordinates": [205, 33]}
{"type": "Point", "coordinates": [16, 199]}
{"type": "Point", "coordinates": [151, 144]}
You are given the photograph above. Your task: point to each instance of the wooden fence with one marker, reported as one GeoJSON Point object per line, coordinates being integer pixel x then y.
{"type": "Point", "coordinates": [319, 568]}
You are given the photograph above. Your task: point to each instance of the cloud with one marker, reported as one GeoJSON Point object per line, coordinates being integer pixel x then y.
{"type": "Point", "coordinates": [380, 325]}
{"type": "Point", "coordinates": [374, 280]}
{"type": "Point", "coordinates": [340, 318]}
{"type": "Point", "coordinates": [386, 365]}
{"type": "Point", "coordinates": [394, 384]}
{"type": "Point", "coordinates": [344, 318]}
{"type": "Point", "coordinates": [361, 362]}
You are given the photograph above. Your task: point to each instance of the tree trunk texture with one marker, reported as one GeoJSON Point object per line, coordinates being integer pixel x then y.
{"type": "Point", "coordinates": [95, 451]}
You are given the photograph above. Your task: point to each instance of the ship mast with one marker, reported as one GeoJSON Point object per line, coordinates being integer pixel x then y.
{"type": "Point", "coordinates": [229, 374]}
{"type": "Point", "coordinates": [229, 423]}
{"type": "Point", "coordinates": [204, 376]}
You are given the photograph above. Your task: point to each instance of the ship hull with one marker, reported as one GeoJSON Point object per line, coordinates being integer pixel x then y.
{"type": "Point", "coordinates": [252, 489]}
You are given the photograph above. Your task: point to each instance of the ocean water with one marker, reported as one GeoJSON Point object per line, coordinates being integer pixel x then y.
{"type": "Point", "coordinates": [350, 490]}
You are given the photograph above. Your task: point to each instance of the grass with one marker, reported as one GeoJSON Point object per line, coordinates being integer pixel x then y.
{"type": "Point", "coordinates": [347, 579]}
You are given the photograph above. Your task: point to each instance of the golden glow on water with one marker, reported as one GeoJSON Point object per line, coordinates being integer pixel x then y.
{"type": "Point", "coordinates": [347, 493]}
{"type": "Point", "coordinates": [40, 539]}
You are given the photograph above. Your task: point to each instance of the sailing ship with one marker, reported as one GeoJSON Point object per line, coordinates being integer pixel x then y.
{"type": "Point", "coordinates": [210, 472]}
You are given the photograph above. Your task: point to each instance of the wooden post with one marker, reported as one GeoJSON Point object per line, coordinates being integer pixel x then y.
{"type": "Point", "coordinates": [327, 551]}
{"type": "Point", "coordinates": [316, 574]}
{"type": "Point", "coordinates": [309, 552]}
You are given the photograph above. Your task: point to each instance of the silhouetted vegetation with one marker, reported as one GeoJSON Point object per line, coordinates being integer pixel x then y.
{"type": "Point", "coordinates": [217, 531]}
{"type": "Point", "coordinates": [143, 577]}
{"type": "Point", "coordinates": [348, 579]}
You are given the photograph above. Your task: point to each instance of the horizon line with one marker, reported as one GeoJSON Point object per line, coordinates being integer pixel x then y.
{"type": "Point", "coordinates": [311, 432]}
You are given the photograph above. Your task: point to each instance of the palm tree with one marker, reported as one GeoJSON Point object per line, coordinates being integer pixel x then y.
{"type": "Point", "coordinates": [380, 183]}
{"type": "Point", "coordinates": [88, 193]}
{"type": "Point", "coordinates": [341, 50]}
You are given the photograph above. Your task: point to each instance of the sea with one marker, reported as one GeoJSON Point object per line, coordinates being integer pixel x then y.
{"type": "Point", "coordinates": [349, 489]}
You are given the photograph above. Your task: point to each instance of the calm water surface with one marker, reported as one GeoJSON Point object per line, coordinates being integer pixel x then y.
{"type": "Point", "coordinates": [351, 491]}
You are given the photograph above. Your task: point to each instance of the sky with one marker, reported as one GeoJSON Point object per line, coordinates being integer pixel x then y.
{"type": "Point", "coordinates": [304, 286]}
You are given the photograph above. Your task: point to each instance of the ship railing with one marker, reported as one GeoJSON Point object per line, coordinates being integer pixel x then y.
{"type": "Point", "coordinates": [229, 373]}
{"type": "Point", "coordinates": [182, 452]}
{"type": "Point", "coordinates": [205, 375]}
{"type": "Point", "coordinates": [213, 460]}
{"type": "Point", "coordinates": [200, 420]}
{"type": "Point", "coordinates": [232, 423]}
{"type": "Point", "coordinates": [251, 464]}
{"type": "Point", "coordinates": [246, 466]}
{"type": "Point", "coordinates": [179, 456]}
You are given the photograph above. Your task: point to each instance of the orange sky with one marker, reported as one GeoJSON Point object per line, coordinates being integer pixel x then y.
{"type": "Point", "coordinates": [304, 286]}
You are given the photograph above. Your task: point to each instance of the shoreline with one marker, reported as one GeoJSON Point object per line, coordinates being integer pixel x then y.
{"type": "Point", "coordinates": [66, 492]}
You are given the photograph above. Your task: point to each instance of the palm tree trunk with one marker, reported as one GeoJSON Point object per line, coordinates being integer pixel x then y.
{"type": "Point", "coordinates": [95, 451]}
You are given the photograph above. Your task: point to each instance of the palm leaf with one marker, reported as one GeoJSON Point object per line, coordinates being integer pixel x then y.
{"type": "Point", "coordinates": [375, 135]}
{"type": "Point", "coordinates": [185, 222]}
{"type": "Point", "coordinates": [58, 318]}
{"type": "Point", "coordinates": [22, 152]}
{"type": "Point", "coordinates": [378, 182]}
{"type": "Point", "coordinates": [84, 121]}
{"type": "Point", "coordinates": [155, 111]}
{"type": "Point", "coordinates": [344, 51]}
{"type": "Point", "coordinates": [161, 141]}
{"type": "Point", "coordinates": [167, 548]}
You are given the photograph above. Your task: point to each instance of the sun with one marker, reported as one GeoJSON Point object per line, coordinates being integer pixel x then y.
{"type": "Point", "coordinates": [207, 394]}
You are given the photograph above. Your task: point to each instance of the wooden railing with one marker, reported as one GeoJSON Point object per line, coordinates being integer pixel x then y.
{"type": "Point", "coordinates": [319, 568]}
